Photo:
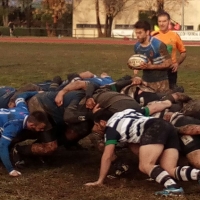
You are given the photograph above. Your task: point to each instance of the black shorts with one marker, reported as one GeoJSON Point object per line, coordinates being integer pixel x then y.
{"type": "Point", "coordinates": [189, 143]}
{"type": "Point", "coordinates": [146, 97]}
{"type": "Point", "coordinates": [158, 131]}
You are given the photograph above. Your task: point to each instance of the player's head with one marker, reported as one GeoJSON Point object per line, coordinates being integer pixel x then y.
{"type": "Point", "coordinates": [142, 30]}
{"type": "Point", "coordinates": [100, 119]}
{"type": "Point", "coordinates": [163, 21]}
{"type": "Point", "coordinates": [37, 121]}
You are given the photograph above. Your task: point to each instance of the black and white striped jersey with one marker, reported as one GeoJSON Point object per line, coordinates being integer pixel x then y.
{"type": "Point", "coordinates": [125, 126]}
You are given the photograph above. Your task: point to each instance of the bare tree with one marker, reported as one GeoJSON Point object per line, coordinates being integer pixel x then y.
{"type": "Point", "coordinates": [111, 8]}
{"type": "Point", "coordinates": [5, 11]}
{"type": "Point", "coordinates": [159, 5]}
{"type": "Point", "coordinates": [100, 33]}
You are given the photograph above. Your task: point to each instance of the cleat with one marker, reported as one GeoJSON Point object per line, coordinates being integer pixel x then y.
{"type": "Point", "coordinates": [170, 192]}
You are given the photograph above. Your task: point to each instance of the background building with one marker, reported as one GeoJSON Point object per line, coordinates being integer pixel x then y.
{"type": "Point", "coordinates": [85, 15]}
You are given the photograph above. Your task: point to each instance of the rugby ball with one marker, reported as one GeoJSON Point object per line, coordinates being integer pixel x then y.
{"type": "Point", "coordinates": [135, 61]}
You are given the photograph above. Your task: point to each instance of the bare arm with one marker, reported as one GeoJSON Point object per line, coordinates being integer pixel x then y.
{"type": "Point", "coordinates": [182, 57]}
{"type": "Point", "coordinates": [105, 164]}
{"type": "Point", "coordinates": [180, 60]}
{"type": "Point", "coordinates": [190, 129]}
{"type": "Point", "coordinates": [77, 85]}
{"type": "Point", "coordinates": [158, 106]}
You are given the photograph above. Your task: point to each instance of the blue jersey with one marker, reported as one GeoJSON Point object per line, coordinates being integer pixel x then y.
{"type": "Point", "coordinates": [5, 94]}
{"type": "Point", "coordinates": [157, 53]}
{"type": "Point", "coordinates": [47, 101]}
{"type": "Point", "coordinates": [100, 81]}
{"type": "Point", "coordinates": [12, 121]}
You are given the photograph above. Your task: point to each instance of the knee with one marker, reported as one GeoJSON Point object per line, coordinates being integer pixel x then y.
{"type": "Point", "coordinates": [50, 147]}
{"type": "Point", "coordinates": [142, 168]}
{"type": "Point", "coordinates": [44, 148]}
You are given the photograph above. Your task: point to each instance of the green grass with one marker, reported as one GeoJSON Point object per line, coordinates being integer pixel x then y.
{"type": "Point", "coordinates": [65, 172]}
{"type": "Point", "coordinates": [23, 63]}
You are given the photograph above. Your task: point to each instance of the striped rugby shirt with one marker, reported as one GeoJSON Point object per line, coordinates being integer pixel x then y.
{"type": "Point", "coordinates": [157, 53]}
{"type": "Point", "coordinates": [125, 126]}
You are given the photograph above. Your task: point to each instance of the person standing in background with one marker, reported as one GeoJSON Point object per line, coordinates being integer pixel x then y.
{"type": "Point", "coordinates": [11, 27]}
{"type": "Point", "coordinates": [174, 44]}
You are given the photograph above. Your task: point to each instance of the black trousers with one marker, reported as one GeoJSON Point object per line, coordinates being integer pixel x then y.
{"type": "Point", "coordinates": [172, 76]}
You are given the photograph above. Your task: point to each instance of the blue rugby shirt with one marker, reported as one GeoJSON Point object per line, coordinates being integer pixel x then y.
{"type": "Point", "coordinates": [12, 121]}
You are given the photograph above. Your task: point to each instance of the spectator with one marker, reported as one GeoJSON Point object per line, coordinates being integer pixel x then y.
{"type": "Point", "coordinates": [11, 27]}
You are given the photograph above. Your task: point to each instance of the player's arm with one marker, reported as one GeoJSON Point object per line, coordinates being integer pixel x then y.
{"type": "Point", "coordinates": [167, 61]}
{"type": "Point", "coordinates": [181, 48]}
{"type": "Point", "coordinates": [190, 129]}
{"type": "Point", "coordinates": [77, 85]}
{"type": "Point", "coordinates": [21, 98]}
{"type": "Point", "coordinates": [181, 57]}
{"type": "Point", "coordinates": [112, 137]}
{"type": "Point", "coordinates": [8, 134]}
{"type": "Point", "coordinates": [105, 164]}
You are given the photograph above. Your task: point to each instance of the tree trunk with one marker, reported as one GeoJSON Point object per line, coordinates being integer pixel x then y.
{"type": "Point", "coordinates": [109, 28]}
{"type": "Point", "coordinates": [100, 34]}
{"type": "Point", "coordinates": [5, 19]}
{"type": "Point", "coordinates": [5, 12]}
{"type": "Point", "coordinates": [108, 25]}
{"type": "Point", "coordinates": [160, 6]}
{"type": "Point", "coordinates": [48, 28]}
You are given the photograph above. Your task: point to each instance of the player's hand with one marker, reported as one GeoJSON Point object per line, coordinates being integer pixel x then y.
{"type": "Point", "coordinates": [15, 173]}
{"type": "Point", "coordinates": [174, 67]}
{"type": "Point", "coordinates": [59, 99]}
{"type": "Point", "coordinates": [96, 108]}
{"type": "Point", "coordinates": [90, 103]}
{"type": "Point", "coordinates": [136, 81]}
{"type": "Point", "coordinates": [135, 71]}
{"type": "Point", "coordinates": [94, 184]}
{"type": "Point", "coordinates": [145, 65]}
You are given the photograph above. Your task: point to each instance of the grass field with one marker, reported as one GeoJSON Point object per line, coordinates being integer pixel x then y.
{"type": "Point", "coordinates": [64, 173]}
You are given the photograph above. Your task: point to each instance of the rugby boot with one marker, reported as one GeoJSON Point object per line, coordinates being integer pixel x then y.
{"type": "Point", "coordinates": [170, 191]}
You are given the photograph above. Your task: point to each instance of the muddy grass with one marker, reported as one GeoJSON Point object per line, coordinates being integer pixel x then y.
{"type": "Point", "coordinates": [63, 174]}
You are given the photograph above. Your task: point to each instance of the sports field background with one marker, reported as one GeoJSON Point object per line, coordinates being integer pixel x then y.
{"type": "Point", "coordinates": [63, 174]}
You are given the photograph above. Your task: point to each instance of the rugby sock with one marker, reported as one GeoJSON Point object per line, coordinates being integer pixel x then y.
{"type": "Point", "coordinates": [161, 176]}
{"type": "Point", "coordinates": [186, 173]}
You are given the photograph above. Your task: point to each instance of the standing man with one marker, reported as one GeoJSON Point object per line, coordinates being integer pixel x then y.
{"type": "Point", "coordinates": [11, 28]}
{"type": "Point", "coordinates": [174, 44]}
{"type": "Point", "coordinates": [159, 60]}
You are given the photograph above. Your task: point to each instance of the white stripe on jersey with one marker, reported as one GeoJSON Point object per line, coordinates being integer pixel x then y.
{"type": "Point", "coordinates": [129, 124]}
{"type": "Point", "coordinates": [1, 130]}
{"type": "Point", "coordinates": [19, 100]}
{"type": "Point", "coordinates": [4, 111]}
{"type": "Point", "coordinates": [7, 138]}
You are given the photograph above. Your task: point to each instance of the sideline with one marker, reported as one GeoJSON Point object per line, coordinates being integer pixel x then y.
{"type": "Point", "coordinates": [66, 40]}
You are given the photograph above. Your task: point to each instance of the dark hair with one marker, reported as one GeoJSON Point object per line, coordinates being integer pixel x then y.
{"type": "Point", "coordinates": [71, 76]}
{"type": "Point", "coordinates": [142, 25]}
{"type": "Point", "coordinates": [163, 13]}
{"type": "Point", "coordinates": [37, 117]}
{"type": "Point", "coordinates": [102, 114]}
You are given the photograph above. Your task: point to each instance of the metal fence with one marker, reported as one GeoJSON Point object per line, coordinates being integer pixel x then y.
{"type": "Point", "coordinates": [32, 31]}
